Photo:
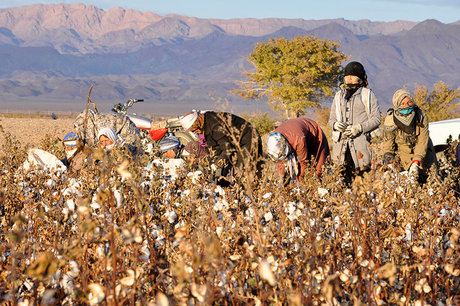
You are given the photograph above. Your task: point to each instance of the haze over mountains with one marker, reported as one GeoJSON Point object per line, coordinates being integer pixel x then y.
{"type": "Point", "coordinates": [51, 54]}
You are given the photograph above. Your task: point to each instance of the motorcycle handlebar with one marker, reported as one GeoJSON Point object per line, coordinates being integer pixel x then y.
{"type": "Point", "coordinates": [121, 108]}
{"type": "Point", "coordinates": [135, 100]}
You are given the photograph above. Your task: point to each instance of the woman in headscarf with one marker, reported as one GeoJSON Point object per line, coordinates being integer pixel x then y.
{"type": "Point", "coordinates": [354, 115]}
{"type": "Point", "coordinates": [108, 139]}
{"type": "Point", "coordinates": [297, 142]}
{"type": "Point", "coordinates": [407, 137]}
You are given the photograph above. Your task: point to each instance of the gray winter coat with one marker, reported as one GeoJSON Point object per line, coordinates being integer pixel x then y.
{"type": "Point", "coordinates": [359, 145]}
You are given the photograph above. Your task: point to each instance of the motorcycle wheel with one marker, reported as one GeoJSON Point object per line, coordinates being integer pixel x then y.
{"type": "Point", "coordinates": [184, 137]}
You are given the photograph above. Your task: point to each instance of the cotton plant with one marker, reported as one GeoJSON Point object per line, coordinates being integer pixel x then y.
{"type": "Point", "coordinates": [315, 243]}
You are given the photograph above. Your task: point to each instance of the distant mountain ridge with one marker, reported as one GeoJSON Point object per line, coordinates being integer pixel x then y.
{"type": "Point", "coordinates": [54, 52]}
{"type": "Point", "coordinates": [81, 29]}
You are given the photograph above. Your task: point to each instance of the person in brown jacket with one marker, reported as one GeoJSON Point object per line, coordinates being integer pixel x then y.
{"type": "Point", "coordinates": [407, 137]}
{"type": "Point", "coordinates": [298, 142]}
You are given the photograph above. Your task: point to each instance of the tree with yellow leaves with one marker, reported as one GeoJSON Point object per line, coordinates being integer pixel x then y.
{"type": "Point", "coordinates": [293, 75]}
{"type": "Point", "coordinates": [440, 104]}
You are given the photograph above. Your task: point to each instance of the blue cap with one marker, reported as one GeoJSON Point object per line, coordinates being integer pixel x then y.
{"type": "Point", "coordinates": [72, 136]}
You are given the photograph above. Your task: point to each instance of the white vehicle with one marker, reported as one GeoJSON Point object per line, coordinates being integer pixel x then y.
{"type": "Point", "coordinates": [440, 131]}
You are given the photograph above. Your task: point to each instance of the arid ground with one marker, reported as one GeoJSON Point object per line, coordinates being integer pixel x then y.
{"type": "Point", "coordinates": [34, 130]}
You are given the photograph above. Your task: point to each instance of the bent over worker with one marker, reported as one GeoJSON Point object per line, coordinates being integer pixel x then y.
{"type": "Point", "coordinates": [234, 142]}
{"type": "Point", "coordinates": [298, 142]}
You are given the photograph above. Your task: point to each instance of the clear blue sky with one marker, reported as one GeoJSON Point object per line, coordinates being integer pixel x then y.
{"type": "Point", "coordinates": [376, 10]}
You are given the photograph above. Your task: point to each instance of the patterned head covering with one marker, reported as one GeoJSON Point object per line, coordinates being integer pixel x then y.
{"type": "Point", "coordinates": [277, 146]}
{"type": "Point", "coordinates": [188, 120]}
{"type": "Point", "coordinates": [399, 96]}
{"type": "Point", "coordinates": [71, 144]}
{"type": "Point", "coordinates": [169, 143]}
{"type": "Point", "coordinates": [70, 140]}
{"type": "Point", "coordinates": [404, 118]}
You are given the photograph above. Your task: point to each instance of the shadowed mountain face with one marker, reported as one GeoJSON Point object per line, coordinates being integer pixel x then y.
{"type": "Point", "coordinates": [54, 53]}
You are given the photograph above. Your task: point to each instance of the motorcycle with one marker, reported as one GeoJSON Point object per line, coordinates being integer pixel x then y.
{"type": "Point", "coordinates": [152, 138]}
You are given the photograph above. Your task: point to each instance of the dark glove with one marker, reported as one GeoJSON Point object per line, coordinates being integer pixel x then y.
{"type": "Point", "coordinates": [222, 181]}
{"type": "Point", "coordinates": [388, 158]}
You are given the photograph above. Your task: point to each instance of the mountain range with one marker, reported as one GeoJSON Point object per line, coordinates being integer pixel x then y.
{"type": "Point", "coordinates": [51, 54]}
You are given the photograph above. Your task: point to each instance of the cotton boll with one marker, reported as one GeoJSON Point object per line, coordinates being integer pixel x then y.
{"type": "Point", "coordinates": [118, 197]}
{"type": "Point", "coordinates": [145, 253]}
{"type": "Point", "coordinates": [128, 280]}
{"type": "Point", "coordinates": [55, 278]}
{"type": "Point", "coordinates": [66, 283]}
{"type": "Point", "coordinates": [132, 234]}
{"type": "Point", "coordinates": [266, 273]}
{"type": "Point", "coordinates": [95, 206]}
{"type": "Point", "coordinates": [250, 214]}
{"type": "Point", "coordinates": [179, 224]}
{"type": "Point", "coordinates": [96, 294]}
{"type": "Point", "coordinates": [50, 183]}
{"type": "Point", "coordinates": [45, 207]}
{"type": "Point", "coordinates": [267, 195]}
{"type": "Point", "coordinates": [322, 192]}
{"type": "Point", "coordinates": [292, 211]}
{"type": "Point", "coordinates": [74, 270]}
{"type": "Point", "coordinates": [155, 233]}
{"type": "Point", "coordinates": [220, 191]}
{"type": "Point", "coordinates": [171, 216]}
{"type": "Point", "coordinates": [196, 176]}
{"type": "Point", "coordinates": [70, 204]}
{"type": "Point", "coordinates": [408, 231]}
{"type": "Point", "coordinates": [268, 217]}
{"type": "Point", "coordinates": [220, 205]}
{"type": "Point", "coordinates": [161, 300]}
{"type": "Point", "coordinates": [100, 251]}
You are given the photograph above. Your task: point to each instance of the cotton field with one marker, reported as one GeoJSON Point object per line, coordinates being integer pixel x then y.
{"type": "Point", "coordinates": [127, 233]}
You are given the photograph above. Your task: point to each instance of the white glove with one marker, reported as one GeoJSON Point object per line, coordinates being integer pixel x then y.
{"type": "Point", "coordinates": [414, 170]}
{"type": "Point", "coordinates": [353, 130]}
{"type": "Point", "coordinates": [340, 126]}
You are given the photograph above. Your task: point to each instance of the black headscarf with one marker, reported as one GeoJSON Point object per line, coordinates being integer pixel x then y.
{"type": "Point", "coordinates": [356, 69]}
